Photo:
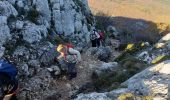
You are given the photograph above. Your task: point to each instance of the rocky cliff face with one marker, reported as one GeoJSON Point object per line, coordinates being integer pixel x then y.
{"type": "Point", "coordinates": [34, 19]}
{"type": "Point", "coordinates": [26, 26]}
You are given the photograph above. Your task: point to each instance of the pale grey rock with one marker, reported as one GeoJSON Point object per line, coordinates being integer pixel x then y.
{"type": "Point", "coordinates": [114, 94]}
{"type": "Point", "coordinates": [163, 41]}
{"type": "Point", "coordinates": [56, 6]}
{"type": "Point", "coordinates": [105, 68]}
{"type": "Point", "coordinates": [55, 69]}
{"type": "Point", "coordinates": [4, 30]}
{"type": "Point", "coordinates": [34, 63]}
{"type": "Point", "coordinates": [21, 53]}
{"type": "Point", "coordinates": [20, 3]}
{"type": "Point", "coordinates": [144, 56]}
{"type": "Point", "coordinates": [33, 33]}
{"type": "Point", "coordinates": [152, 81]}
{"type": "Point", "coordinates": [11, 1]}
{"type": "Point", "coordinates": [19, 24]}
{"type": "Point", "coordinates": [78, 22]}
{"type": "Point", "coordinates": [93, 96]}
{"type": "Point", "coordinates": [43, 8]}
{"type": "Point", "coordinates": [102, 53]}
{"type": "Point", "coordinates": [24, 69]}
{"type": "Point", "coordinates": [57, 21]}
{"type": "Point", "coordinates": [168, 45]}
{"type": "Point", "coordinates": [6, 9]}
{"type": "Point", "coordinates": [109, 66]}
{"type": "Point", "coordinates": [68, 21]}
{"type": "Point", "coordinates": [2, 50]}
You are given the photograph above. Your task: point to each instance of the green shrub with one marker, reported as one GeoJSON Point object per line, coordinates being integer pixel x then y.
{"type": "Point", "coordinates": [33, 15]}
{"type": "Point", "coordinates": [160, 58]}
{"type": "Point", "coordinates": [130, 50]}
{"type": "Point", "coordinates": [111, 80]}
{"type": "Point", "coordinates": [126, 96]}
{"type": "Point", "coordinates": [90, 19]}
{"type": "Point", "coordinates": [147, 98]}
{"type": "Point", "coordinates": [10, 47]}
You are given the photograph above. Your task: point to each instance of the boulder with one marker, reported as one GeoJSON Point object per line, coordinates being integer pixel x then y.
{"type": "Point", "coordinates": [163, 41]}
{"type": "Point", "coordinates": [54, 70]}
{"type": "Point", "coordinates": [113, 31]}
{"type": "Point", "coordinates": [144, 56]}
{"type": "Point", "coordinates": [7, 9]}
{"type": "Point", "coordinates": [21, 53]}
{"type": "Point", "coordinates": [93, 96]}
{"type": "Point", "coordinates": [33, 33]}
{"type": "Point", "coordinates": [12, 1]}
{"type": "Point", "coordinates": [153, 80]}
{"type": "Point", "coordinates": [4, 30]}
{"type": "Point", "coordinates": [112, 95]}
{"type": "Point", "coordinates": [2, 50]}
{"type": "Point", "coordinates": [104, 68]}
{"type": "Point", "coordinates": [102, 53]}
{"type": "Point", "coordinates": [24, 69]}
{"type": "Point", "coordinates": [109, 66]}
{"type": "Point", "coordinates": [43, 8]}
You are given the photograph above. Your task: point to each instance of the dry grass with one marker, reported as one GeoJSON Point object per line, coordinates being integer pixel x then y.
{"type": "Point", "coordinates": [124, 14]}
{"type": "Point", "coordinates": [153, 10]}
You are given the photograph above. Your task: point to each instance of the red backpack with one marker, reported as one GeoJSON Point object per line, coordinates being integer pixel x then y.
{"type": "Point", "coordinates": [70, 57]}
{"type": "Point", "coordinates": [101, 35]}
{"type": "Point", "coordinates": [69, 45]}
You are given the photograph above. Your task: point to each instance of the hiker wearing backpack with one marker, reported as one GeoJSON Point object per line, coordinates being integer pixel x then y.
{"type": "Point", "coordinates": [8, 81]}
{"type": "Point", "coordinates": [70, 57]}
{"type": "Point", "coordinates": [95, 38]}
{"type": "Point", "coordinates": [102, 38]}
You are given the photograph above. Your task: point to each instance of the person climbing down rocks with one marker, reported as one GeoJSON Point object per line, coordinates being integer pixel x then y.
{"type": "Point", "coordinates": [95, 38]}
{"type": "Point", "coordinates": [8, 81]}
{"type": "Point", "coordinates": [70, 57]}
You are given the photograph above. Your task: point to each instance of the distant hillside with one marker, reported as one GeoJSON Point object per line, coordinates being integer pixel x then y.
{"type": "Point", "coordinates": [152, 10]}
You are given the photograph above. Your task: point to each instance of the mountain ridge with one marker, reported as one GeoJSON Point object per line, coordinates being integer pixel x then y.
{"type": "Point", "coordinates": [153, 10]}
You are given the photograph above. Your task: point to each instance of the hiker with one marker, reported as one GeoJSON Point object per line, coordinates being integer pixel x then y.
{"type": "Point", "coordinates": [101, 37]}
{"type": "Point", "coordinates": [95, 38]}
{"type": "Point", "coordinates": [8, 81]}
{"type": "Point", "coordinates": [70, 57]}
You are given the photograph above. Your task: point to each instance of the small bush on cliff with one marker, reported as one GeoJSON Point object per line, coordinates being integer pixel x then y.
{"type": "Point", "coordinates": [111, 80]}
{"type": "Point", "coordinates": [160, 58]}
{"type": "Point", "coordinates": [126, 96]}
{"type": "Point", "coordinates": [33, 15]}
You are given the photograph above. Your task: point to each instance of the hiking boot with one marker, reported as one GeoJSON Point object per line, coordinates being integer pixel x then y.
{"type": "Point", "coordinates": [72, 75]}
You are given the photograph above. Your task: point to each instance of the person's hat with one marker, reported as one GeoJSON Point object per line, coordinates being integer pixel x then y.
{"type": "Point", "coordinates": [60, 47]}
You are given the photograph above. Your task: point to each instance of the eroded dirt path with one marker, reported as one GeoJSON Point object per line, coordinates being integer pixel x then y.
{"type": "Point", "coordinates": [64, 88]}
{"type": "Point", "coordinates": [61, 89]}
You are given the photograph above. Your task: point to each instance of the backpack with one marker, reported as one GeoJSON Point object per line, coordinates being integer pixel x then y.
{"type": "Point", "coordinates": [101, 35]}
{"type": "Point", "coordinates": [69, 45]}
{"type": "Point", "coordinates": [71, 58]}
{"type": "Point", "coordinates": [93, 36]}
{"type": "Point", "coordinates": [9, 69]}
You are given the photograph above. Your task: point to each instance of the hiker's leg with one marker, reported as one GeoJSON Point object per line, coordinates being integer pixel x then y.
{"type": "Point", "coordinates": [98, 42]}
{"type": "Point", "coordinates": [102, 42]}
{"type": "Point", "coordinates": [93, 43]}
{"type": "Point", "coordinates": [63, 65]}
{"type": "Point", "coordinates": [72, 70]}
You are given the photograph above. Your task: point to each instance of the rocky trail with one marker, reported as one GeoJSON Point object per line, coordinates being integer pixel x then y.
{"type": "Point", "coordinates": [65, 88]}
{"type": "Point", "coordinates": [62, 88]}
{"type": "Point", "coordinates": [30, 28]}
